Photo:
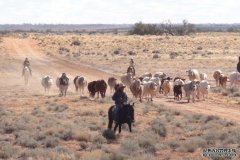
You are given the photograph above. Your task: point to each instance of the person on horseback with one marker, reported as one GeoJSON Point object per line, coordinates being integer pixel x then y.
{"type": "Point", "coordinates": [238, 65]}
{"type": "Point", "coordinates": [120, 98]}
{"type": "Point", "coordinates": [131, 62]}
{"type": "Point", "coordinates": [26, 63]}
{"type": "Point", "coordinates": [131, 68]}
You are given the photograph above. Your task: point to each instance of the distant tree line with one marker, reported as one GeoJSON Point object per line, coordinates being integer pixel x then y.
{"type": "Point", "coordinates": [164, 28]}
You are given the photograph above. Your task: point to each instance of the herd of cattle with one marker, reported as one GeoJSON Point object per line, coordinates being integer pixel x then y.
{"type": "Point", "coordinates": [149, 85]}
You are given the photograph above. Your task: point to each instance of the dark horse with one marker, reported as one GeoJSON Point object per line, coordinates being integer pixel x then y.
{"type": "Point", "coordinates": [125, 115]}
{"type": "Point", "coordinates": [131, 69]}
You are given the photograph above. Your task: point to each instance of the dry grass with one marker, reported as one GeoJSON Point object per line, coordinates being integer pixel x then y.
{"type": "Point", "coordinates": [73, 128]}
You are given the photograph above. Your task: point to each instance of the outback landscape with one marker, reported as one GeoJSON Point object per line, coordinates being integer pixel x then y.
{"type": "Point", "coordinates": [37, 125]}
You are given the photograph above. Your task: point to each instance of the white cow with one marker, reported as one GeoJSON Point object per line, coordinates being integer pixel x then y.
{"type": "Point", "coordinates": [190, 89]}
{"type": "Point", "coordinates": [203, 76]}
{"type": "Point", "coordinates": [147, 74]}
{"type": "Point", "coordinates": [159, 75]}
{"type": "Point", "coordinates": [203, 89]}
{"type": "Point", "coordinates": [156, 80]}
{"type": "Point", "coordinates": [80, 83]}
{"type": "Point", "coordinates": [149, 90]}
{"type": "Point", "coordinates": [193, 74]}
{"type": "Point", "coordinates": [234, 79]}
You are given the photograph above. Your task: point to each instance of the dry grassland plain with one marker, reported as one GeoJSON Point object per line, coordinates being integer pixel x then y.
{"type": "Point", "coordinates": [34, 125]}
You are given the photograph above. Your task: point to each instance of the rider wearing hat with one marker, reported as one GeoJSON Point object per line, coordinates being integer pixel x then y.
{"type": "Point", "coordinates": [26, 63]}
{"type": "Point", "coordinates": [131, 62]}
{"type": "Point", "coordinates": [120, 98]}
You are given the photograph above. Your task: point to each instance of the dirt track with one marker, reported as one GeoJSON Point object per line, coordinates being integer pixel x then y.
{"type": "Point", "coordinates": [41, 64]}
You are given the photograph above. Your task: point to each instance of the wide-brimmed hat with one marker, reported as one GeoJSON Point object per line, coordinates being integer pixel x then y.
{"type": "Point", "coordinates": [121, 86]}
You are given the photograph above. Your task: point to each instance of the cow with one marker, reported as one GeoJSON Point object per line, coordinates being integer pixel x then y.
{"type": "Point", "coordinates": [149, 90]}
{"type": "Point", "coordinates": [166, 87]}
{"type": "Point", "coordinates": [203, 88]}
{"type": "Point", "coordinates": [223, 80]}
{"type": "Point", "coordinates": [136, 89]}
{"type": "Point", "coordinates": [216, 76]}
{"type": "Point", "coordinates": [47, 82]}
{"type": "Point", "coordinates": [99, 86]}
{"type": "Point", "coordinates": [234, 79]}
{"type": "Point", "coordinates": [177, 89]}
{"type": "Point", "coordinates": [193, 74]}
{"type": "Point", "coordinates": [112, 82]}
{"type": "Point", "coordinates": [80, 83]}
{"type": "Point", "coordinates": [127, 79]}
{"type": "Point", "coordinates": [203, 76]}
{"type": "Point", "coordinates": [62, 83]}
{"type": "Point", "coordinates": [190, 89]}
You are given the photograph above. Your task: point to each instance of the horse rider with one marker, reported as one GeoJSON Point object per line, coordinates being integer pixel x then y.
{"type": "Point", "coordinates": [238, 65]}
{"type": "Point", "coordinates": [131, 62]}
{"type": "Point", "coordinates": [131, 68]}
{"type": "Point", "coordinates": [120, 98]}
{"type": "Point", "coordinates": [64, 76]}
{"type": "Point", "coordinates": [26, 63]}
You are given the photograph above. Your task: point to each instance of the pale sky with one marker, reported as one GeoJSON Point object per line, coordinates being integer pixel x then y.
{"type": "Point", "coordinates": [118, 11]}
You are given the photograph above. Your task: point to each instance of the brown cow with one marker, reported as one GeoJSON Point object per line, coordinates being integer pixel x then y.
{"type": "Point", "coordinates": [223, 80]}
{"type": "Point", "coordinates": [99, 86]}
{"type": "Point", "coordinates": [112, 83]}
{"type": "Point", "coordinates": [136, 89]}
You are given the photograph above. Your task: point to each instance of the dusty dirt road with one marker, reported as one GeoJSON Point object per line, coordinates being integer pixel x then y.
{"type": "Point", "coordinates": [13, 86]}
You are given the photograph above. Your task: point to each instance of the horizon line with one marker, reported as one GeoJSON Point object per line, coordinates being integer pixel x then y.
{"type": "Point", "coordinates": [110, 23]}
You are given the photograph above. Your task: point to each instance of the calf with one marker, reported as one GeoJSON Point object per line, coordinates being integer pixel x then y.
{"type": "Point", "coordinates": [177, 89]}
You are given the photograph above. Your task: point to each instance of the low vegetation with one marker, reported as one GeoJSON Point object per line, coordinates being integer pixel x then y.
{"type": "Point", "coordinates": [164, 28]}
{"type": "Point", "coordinates": [59, 131]}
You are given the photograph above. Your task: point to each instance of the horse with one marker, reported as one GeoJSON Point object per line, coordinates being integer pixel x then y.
{"type": "Point", "coordinates": [125, 115]}
{"type": "Point", "coordinates": [131, 70]}
{"type": "Point", "coordinates": [26, 74]}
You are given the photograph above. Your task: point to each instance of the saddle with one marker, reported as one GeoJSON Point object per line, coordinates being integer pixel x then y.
{"type": "Point", "coordinates": [117, 112]}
